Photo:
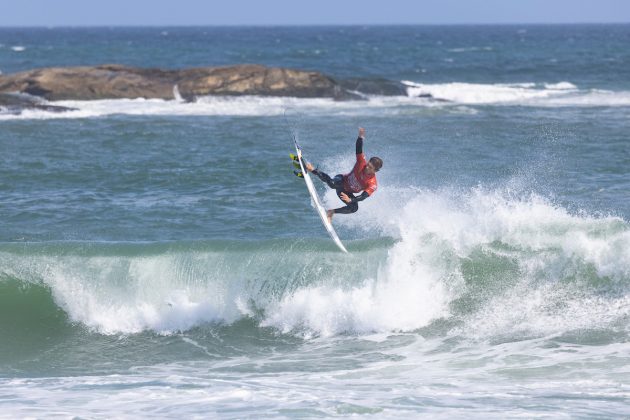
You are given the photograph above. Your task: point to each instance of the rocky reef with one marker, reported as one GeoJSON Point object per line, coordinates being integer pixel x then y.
{"type": "Point", "coordinates": [115, 81]}
{"type": "Point", "coordinates": [33, 89]}
{"type": "Point", "coordinates": [15, 103]}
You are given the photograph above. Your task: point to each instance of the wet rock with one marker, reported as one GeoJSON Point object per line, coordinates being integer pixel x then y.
{"type": "Point", "coordinates": [15, 103]}
{"type": "Point", "coordinates": [115, 81]}
{"type": "Point", "coordinates": [377, 86]}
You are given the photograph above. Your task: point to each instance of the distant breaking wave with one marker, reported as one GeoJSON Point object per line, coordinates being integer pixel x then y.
{"type": "Point", "coordinates": [562, 94]}
{"type": "Point", "coordinates": [447, 96]}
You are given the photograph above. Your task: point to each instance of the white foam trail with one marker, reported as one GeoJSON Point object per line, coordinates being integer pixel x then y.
{"type": "Point", "coordinates": [18, 48]}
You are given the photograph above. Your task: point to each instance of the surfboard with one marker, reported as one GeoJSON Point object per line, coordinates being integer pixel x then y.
{"type": "Point", "coordinates": [317, 203]}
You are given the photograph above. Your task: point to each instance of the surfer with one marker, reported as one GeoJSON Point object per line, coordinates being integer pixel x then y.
{"type": "Point", "coordinates": [361, 178]}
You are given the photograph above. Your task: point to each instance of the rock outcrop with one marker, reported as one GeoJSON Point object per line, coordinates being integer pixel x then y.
{"type": "Point", "coordinates": [376, 86]}
{"type": "Point", "coordinates": [15, 103]}
{"type": "Point", "coordinates": [116, 81]}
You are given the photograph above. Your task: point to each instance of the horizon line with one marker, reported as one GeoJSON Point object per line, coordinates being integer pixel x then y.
{"type": "Point", "coordinates": [293, 25]}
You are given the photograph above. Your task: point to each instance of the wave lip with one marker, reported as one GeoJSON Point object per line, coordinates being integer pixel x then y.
{"type": "Point", "coordinates": [167, 288]}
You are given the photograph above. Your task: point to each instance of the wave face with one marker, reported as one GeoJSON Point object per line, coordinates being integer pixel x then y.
{"type": "Point", "coordinates": [489, 263]}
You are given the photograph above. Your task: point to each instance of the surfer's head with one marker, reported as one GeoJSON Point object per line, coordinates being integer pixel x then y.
{"type": "Point", "coordinates": [374, 165]}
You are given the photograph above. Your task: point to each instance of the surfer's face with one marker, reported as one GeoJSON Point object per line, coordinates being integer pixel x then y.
{"type": "Point", "coordinates": [369, 169]}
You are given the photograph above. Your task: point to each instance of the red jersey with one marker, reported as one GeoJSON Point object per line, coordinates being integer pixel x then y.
{"type": "Point", "coordinates": [356, 181]}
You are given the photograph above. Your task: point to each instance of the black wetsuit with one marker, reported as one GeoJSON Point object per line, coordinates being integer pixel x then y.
{"type": "Point", "coordinates": [336, 184]}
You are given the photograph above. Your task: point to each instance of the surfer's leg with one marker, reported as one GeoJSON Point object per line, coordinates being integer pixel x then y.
{"type": "Point", "coordinates": [331, 182]}
{"type": "Point", "coordinates": [329, 215]}
{"type": "Point", "coordinates": [350, 207]}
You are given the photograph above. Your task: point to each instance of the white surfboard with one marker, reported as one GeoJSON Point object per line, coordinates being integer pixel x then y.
{"type": "Point", "coordinates": [317, 202]}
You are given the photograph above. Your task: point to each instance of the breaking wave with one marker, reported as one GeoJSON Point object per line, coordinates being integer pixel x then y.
{"type": "Point", "coordinates": [486, 261]}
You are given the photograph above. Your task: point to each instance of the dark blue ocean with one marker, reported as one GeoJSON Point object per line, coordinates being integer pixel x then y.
{"type": "Point", "coordinates": [159, 258]}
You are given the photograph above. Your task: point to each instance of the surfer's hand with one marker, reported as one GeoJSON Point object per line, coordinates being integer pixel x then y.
{"type": "Point", "coordinates": [361, 132]}
{"type": "Point", "coordinates": [345, 198]}
{"type": "Point", "coordinates": [309, 167]}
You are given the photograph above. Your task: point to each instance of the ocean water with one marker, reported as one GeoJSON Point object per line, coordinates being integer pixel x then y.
{"type": "Point", "coordinates": [158, 258]}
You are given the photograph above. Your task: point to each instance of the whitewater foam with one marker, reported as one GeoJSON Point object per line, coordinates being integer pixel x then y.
{"type": "Point", "coordinates": [449, 97]}
{"type": "Point", "coordinates": [526, 94]}
{"type": "Point", "coordinates": [228, 106]}
{"type": "Point", "coordinates": [129, 295]}
{"type": "Point", "coordinates": [541, 310]}
{"type": "Point", "coordinates": [470, 49]}
{"type": "Point", "coordinates": [563, 271]}
{"type": "Point", "coordinates": [471, 93]}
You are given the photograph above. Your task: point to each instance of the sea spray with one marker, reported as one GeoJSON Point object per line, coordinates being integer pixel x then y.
{"type": "Point", "coordinates": [511, 262]}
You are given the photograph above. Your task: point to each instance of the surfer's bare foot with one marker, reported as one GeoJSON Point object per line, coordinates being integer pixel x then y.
{"type": "Point", "coordinates": [329, 215]}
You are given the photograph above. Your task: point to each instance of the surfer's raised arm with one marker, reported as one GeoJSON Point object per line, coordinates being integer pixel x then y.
{"type": "Point", "coordinates": [360, 140]}
{"type": "Point", "coordinates": [359, 150]}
